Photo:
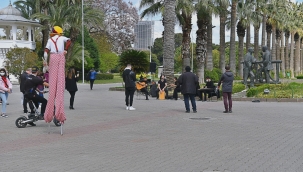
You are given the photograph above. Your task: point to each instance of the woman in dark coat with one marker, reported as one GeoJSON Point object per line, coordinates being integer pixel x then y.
{"type": "Point", "coordinates": [71, 85]}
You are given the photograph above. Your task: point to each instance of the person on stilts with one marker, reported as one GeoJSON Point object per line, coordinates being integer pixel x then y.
{"type": "Point", "coordinates": [55, 46]}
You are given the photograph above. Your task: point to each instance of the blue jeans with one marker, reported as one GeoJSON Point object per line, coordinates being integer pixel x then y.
{"type": "Point", "coordinates": [192, 99]}
{"type": "Point", "coordinates": [4, 97]}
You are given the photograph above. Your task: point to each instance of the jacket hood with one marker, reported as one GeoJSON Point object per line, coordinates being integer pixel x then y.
{"type": "Point", "coordinates": [229, 73]}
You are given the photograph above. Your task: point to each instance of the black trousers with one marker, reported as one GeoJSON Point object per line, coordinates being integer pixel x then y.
{"type": "Point", "coordinates": [91, 81]}
{"type": "Point", "coordinates": [25, 105]}
{"type": "Point", "coordinates": [36, 99]}
{"type": "Point", "coordinates": [72, 98]}
{"type": "Point", "coordinates": [175, 93]}
{"type": "Point", "coordinates": [129, 95]}
{"type": "Point", "coordinates": [144, 90]}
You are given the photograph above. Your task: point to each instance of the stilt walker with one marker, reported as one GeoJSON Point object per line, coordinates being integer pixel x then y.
{"type": "Point", "coordinates": [55, 46]}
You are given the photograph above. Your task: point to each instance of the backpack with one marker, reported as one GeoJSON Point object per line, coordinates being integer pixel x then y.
{"type": "Point", "coordinates": [87, 76]}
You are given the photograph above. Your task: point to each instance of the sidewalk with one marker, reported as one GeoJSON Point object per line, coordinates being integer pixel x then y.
{"type": "Point", "coordinates": [100, 135]}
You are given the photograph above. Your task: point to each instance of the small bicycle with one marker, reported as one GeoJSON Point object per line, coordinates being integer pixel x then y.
{"type": "Point", "coordinates": [22, 121]}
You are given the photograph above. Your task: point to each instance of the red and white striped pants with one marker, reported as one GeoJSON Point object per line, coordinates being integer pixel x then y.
{"type": "Point", "coordinates": [56, 88]}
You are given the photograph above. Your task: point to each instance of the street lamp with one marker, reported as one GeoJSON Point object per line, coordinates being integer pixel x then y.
{"type": "Point", "coordinates": [82, 46]}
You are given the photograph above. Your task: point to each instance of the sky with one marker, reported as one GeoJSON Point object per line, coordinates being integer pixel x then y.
{"type": "Point", "coordinates": [158, 28]}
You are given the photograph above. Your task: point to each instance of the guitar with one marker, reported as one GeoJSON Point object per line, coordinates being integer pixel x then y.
{"type": "Point", "coordinates": [140, 85]}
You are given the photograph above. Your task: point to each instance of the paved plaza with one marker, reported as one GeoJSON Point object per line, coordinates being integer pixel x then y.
{"type": "Point", "coordinates": [101, 136]}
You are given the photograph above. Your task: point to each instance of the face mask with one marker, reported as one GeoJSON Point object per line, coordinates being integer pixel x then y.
{"type": "Point", "coordinates": [2, 73]}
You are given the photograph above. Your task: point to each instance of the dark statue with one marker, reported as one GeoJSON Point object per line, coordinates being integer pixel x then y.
{"type": "Point", "coordinates": [248, 68]}
{"type": "Point", "coordinates": [259, 71]}
{"type": "Point", "coordinates": [266, 67]}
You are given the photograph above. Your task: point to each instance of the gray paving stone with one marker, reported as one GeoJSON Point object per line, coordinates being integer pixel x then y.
{"type": "Point", "coordinates": [100, 135]}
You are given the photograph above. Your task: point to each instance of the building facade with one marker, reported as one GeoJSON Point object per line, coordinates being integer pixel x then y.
{"type": "Point", "coordinates": [144, 31]}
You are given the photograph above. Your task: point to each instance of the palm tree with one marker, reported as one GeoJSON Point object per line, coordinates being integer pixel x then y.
{"type": "Point", "coordinates": [203, 9]}
{"type": "Point", "coordinates": [297, 54]}
{"type": "Point", "coordinates": [286, 34]}
{"type": "Point", "coordinates": [183, 11]}
{"type": "Point", "coordinates": [209, 54]}
{"type": "Point", "coordinates": [220, 9]}
{"type": "Point", "coordinates": [277, 10]}
{"type": "Point", "coordinates": [68, 15]}
{"type": "Point", "coordinates": [244, 14]}
{"type": "Point", "coordinates": [256, 20]}
{"type": "Point", "coordinates": [232, 50]}
{"type": "Point", "coordinates": [169, 41]}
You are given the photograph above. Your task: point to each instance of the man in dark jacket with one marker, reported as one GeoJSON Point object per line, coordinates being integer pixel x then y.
{"type": "Point", "coordinates": [129, 78]}
{"type": "Point", "coordinates": [30, 93]}
{"type": "Point", "coordinates": [227, 79]}
{"type": "Point", "coordinates": [188, 82]}
{"type": "Point", "coordinates": [23, 78]}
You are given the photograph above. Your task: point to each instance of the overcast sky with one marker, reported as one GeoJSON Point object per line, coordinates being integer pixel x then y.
{"type": "Point", "coordinates": [158, 24]}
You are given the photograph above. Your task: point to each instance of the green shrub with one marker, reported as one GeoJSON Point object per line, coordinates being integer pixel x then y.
{"type": "Point", "coordinates": [238, 87]}
{"type": "Point", "coordinates": [252, 92]}
{"type": "Point", "coordinates": [214, 75]}
{"type": "Point", "coordinates": [104, 76]}
{"type": "Point", "coordinates": [299, 77]}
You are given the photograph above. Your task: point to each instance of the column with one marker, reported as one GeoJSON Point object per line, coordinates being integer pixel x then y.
{"type": "Point", "coordinates": [14, 30]}
{"type": "Point", "coordinates": [29, 31]}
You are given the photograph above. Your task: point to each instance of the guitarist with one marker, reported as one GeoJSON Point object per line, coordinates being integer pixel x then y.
{"type": "Point", "coordinates": [142, 86]}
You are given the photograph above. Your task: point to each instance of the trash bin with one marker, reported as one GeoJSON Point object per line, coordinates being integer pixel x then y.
{"type": "Point", "coordinates": [288, 74]}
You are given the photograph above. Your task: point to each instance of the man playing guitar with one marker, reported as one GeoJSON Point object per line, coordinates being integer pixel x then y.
{"type": "Point", "coordinates": [142, 86]}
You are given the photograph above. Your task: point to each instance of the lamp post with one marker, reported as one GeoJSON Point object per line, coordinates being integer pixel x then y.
{"type": "Point", "coordinates": [82, 45]}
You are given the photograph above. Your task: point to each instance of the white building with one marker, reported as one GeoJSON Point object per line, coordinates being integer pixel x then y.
{"type": "Point", "coordinates": [18, 31]}
{"type": "Point", "coordinates": [144, 31]}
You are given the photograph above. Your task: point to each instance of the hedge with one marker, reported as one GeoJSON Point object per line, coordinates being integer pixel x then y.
{"type": "Point", "coordinates": [104, 76]}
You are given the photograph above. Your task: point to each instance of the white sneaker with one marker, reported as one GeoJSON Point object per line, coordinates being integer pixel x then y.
{"type": "Point", "coordinates": [127, 108]}
{"type": "Point", "coordinates": [132, 108]}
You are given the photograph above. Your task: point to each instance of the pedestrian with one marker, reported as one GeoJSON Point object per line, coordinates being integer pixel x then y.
{"type": "Point", "coordinates": [5, 88]}
{"type": "Point", "coordinates": [30, 87]}
{"type": "Point", "coordinates": [129, 78]}
{"type": "Point", "coordinates": [176, 89]}
{"type": "Point", "coordinates": [226, 80]}
{"type": "Point", "coordinates": [55, 46]}
{"type": "Point", "coordinates": [23, 78]}
{"type": "Point", "coordinates": [189, 82]}
{"type": "Point", "coordinates": [162, 86]}
{"type": "Point", "coordinates": [92, 77]}
{"type": "Point", "coordinates": [40, 87]}
{"type": "Point", "coordinates": [71, 80]}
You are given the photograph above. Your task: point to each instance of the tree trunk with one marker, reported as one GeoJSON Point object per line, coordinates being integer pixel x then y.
{"type": "Point", "coordinates": [297, 54]}
{"type": "Point", "coordinates": [268, 34]}
{"type": "Point", "coordinates": [240, 60]}
{"type": "Point", "coordinates": [209, 62]}
{"type": "Point", "coordinates": [241, 35]}
{"type": "Point", "coordinates": [263, 30]}
{"type": "Point", "coordinates": [186, 40]}
{"type": "Point", "coordinates": [256, 42]}
{"type": "Point", "coordinates": [273, 51]}
{"type": "Point", "coordinates": [247, 38]}
{"type": "Point", "coordinates": [45, 33]}
{"type": "Point", "coordinates": [222, 43]}
{"type": "Point", "coordinates": [232, 50]}
{"type": "Point", "coordinates": [291, 60]}
{"type": "Point", "coordinates": [282, 55]}
{"type": "Point", "coordinates": [201, 48]}
{"type": "Point", "coordinates": [287, 59]}
{"type": "Point", "coordinates": [169, 40]}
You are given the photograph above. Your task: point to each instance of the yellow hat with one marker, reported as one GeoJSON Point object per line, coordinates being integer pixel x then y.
{"type": "Point", "coordinates": [57, 30]}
